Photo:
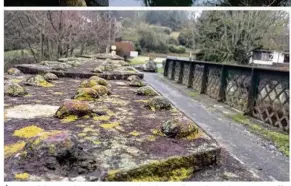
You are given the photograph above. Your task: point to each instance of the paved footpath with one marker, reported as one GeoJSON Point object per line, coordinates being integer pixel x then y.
{"type": "Point", "coordinates": [233, 137]}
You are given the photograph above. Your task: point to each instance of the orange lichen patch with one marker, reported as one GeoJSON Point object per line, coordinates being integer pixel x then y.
{"type": "Point", "coordinates": [28, 132]}
{"type": "Point", "coordinates": [109, 125]}
{"type": "Point", "coordinates": [11, 149]}
{"type": "Point", "coordinates": [22, 176]}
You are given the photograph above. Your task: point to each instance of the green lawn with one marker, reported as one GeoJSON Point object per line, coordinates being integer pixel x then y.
{"type": "Point", "coordinates": [142, 60]}
{"type": "Point", "coordinates": [17, 53]}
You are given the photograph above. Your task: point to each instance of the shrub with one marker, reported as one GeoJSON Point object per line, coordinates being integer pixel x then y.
{"type": "Point", "coordinates": [149, 40]}
{"type": "Point", "coordinates": [185, 38]}
{"type": "Point", "coordinates": [162, 29]}
{"type": "Point", "coordinates": [173, 41]}
{"type": "Point", "coordinates": [177, 49]}
{"type": "Point", "coordinates": [126, 23]}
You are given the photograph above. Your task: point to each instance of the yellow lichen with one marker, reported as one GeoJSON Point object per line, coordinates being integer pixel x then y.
{"type": "Point", "coordinates": [110, 112]}
{"type": "Point", "coordinates": [69, 119]}
{"type": "Point", "coordinates": [82, 134]}
{"type": "Point", "coordinates": [115, 101]}
{"type": "Point", "coordinates": [109, 125]}
{"type": "Point", "coordinates": [174, 175]}
{"type": "Point", "coordinates": [174, 110]}
{"type": "Point", "coordinates": [151, 138]}
{"type": "Point", "coordinates": [22, 176]}
{"type": "Point", "coordinates": [135, 133]}
{"type": "Point", "coordinates": [86, 117]}
{"type": "Point", "coordinates": [157, 132]}
{"type": "Point", "coordinates": [111, 172]}
{"type": "Point", "coordinates": [58, 93]}
{"type": "Point", "coordinates": [13, 148]}
{"type": "Point", "coordinates": [175, 168]}
{"type": "Point", "coordinates": [46, 84]}
{"type": "Point", "coordinates": [195, 135]}
{"type": "Point", "coordinates": [28, 132]}
{"type": "Point", "coordinates": [120, 128]}
{"type": "Point", "coordinates": [88, 129]}
{"type": "Point", "coordinates": [28, 95]}
{"type": "Point", "coordinates": [96, 142]}
{"type": "Point", "coordinates": [16, 80]}
{"type": "Point", "coordinates": [142, 101]}
{"type": "Point", "coordinates": [81, 126]}
{"type": "Point", "coordinates": [101, 118]}
{"type": "Point", "coordinates": [45, 135]}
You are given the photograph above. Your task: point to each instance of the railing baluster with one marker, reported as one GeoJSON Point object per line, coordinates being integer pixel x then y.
{"type": "Point", "coordinates": [191, 75]}
{"type": "Point", "coordinates": [181, 74]}
{"type": "Point", "coordinates": [173, 70]}
{"type": "Point", "coordinates": [222, 85]}
{"type": "Point", "coordinates": [204, 79]}
{"type": "Point", "coordinates": [252, 92]}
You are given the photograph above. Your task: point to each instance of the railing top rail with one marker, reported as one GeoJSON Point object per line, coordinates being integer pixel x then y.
{"type": "Point", "coordinates": [184, 59]}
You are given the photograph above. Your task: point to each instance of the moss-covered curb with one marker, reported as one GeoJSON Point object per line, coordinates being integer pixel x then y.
{"type": "Point", "coordinates": [176, 168]}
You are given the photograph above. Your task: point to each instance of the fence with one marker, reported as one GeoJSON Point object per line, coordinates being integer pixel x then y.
{"type": "Point", "coordinates": [260, 92]}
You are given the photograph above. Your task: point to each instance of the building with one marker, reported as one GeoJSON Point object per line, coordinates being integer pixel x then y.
{"type": "Point", "coordinates": [268, 57]}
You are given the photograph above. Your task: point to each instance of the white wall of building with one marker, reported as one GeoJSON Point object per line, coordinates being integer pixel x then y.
{"type": "Point", "coordinates": [275, 57]}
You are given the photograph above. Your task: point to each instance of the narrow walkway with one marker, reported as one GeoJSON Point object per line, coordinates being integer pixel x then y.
{"type": "Point", "coordinates": [233, 137]}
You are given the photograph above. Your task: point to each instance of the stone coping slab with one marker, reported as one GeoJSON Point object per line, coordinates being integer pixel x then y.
{"type": "Point", "coordinates": [76, 72]}
{"type": "Point", "coordinates": [125, 143]}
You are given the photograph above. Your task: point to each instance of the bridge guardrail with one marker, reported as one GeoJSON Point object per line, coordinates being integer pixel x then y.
{"type": "Point", "coordinates": [259, 92]}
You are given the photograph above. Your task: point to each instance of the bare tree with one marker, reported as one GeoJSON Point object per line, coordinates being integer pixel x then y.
{"type": "Point", "coordinates": [53, 34]}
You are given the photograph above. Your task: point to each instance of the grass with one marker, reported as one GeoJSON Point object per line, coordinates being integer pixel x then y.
{"type": "Point", "coordinates": [193, 94]}
{"type": "Point", "coordinates": [175, 35]}
{"type": "Point", "coordinates": [139, 60]}
{"type": "Point", "coordinates": [279, 139]}
{"type": "Point", "coordinates": [142, 60]}
{"type": "Point", "coordinates": [17, 53]}
{"type": "Point", "coordinates": [161, 70]}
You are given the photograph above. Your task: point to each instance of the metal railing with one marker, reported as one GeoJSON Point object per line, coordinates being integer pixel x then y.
{"type": "Point", "coordinates": [260, 92]}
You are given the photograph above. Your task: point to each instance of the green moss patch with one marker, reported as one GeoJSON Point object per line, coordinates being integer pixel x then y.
{"type": "Point", "coordinates": [279, 139]}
